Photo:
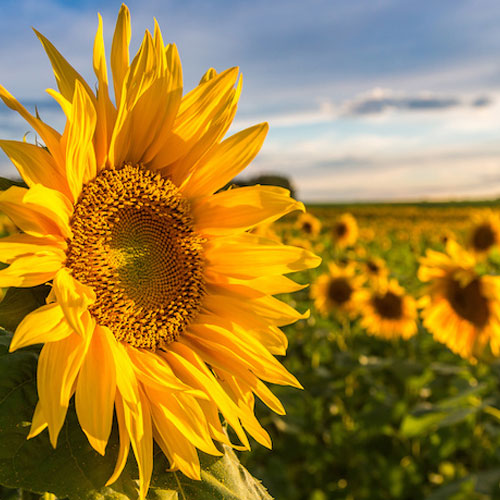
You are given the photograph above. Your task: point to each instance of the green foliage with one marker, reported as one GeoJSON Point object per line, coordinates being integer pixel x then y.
{"type": "Point", "coordinates": [18, 302]}
{"type": "Point", "coordinates": [381, 419]}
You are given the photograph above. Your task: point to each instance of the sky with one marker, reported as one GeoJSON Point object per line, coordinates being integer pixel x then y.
{"type": "Point", "coordinates": [367, 100]}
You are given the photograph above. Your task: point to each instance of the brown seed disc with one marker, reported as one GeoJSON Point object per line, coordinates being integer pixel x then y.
{"type": "Point", "coordinates": [134, 244]}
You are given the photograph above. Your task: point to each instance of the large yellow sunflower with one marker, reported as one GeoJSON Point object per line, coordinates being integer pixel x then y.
{"type": "Point", "coordinates": [161, 305]}
{"type": "Point", "coordinates": [387, 311]}
{"type": "Point", "coordinates": [460, 308]}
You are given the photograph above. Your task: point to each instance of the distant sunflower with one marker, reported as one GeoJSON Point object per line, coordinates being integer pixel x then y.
{"type": "Point", "coordinates": [387, 311]}
{"type": "Point", "coordinates": [485, 232]}
{"type": "Point", "coordinates": [335, 292]}
{"type": "Point", "coordinates": [308, 225]}
{"type": "Point", "coordinates": [161, 305]}
{"type": "Point", "coordinates": [461, 308]}
{"type": "Point", "coordinates": [345, 231]}
{"type": "Point", "coordinates": [375, 268]}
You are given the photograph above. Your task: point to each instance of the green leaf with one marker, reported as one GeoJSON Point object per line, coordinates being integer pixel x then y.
{"type": "Point", "coordinates": [75, 470]}
{"type": "Point", "coordinates": [18, 302]}
{"type": "Point", "coordinates": [223, 478]}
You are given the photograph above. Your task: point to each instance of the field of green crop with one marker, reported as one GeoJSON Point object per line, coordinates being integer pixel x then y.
{"type": "Point", "coordinates": [382, 419]}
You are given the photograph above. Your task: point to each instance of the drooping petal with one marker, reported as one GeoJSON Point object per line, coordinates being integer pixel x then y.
{"type": "Point", "coordinates": [38, 422]}
{"type": "Point", "coordinates": [58, 368]}
{"type": "Point", "coordinates": [95, 391]}
{"type": "Point", "coordinates": [74, 298]}
{"type": "Point", "coordinates": [242, 208]}
{"type": "Point", "coordinates": [121, 460]}
{"type": "Point", "coordinates": [190, 368]}
{"type": "Point", "coordinates": [139, 426]}
{"type": "Point", "coordinates": [45, 324]}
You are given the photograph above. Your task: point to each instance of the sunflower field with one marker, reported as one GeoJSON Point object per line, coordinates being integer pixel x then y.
{"type": "Point", "coordinates": [396, 403]}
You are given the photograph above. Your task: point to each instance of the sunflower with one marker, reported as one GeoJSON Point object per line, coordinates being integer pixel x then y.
{"type": "Point", "coordinates": [485, 233]}
{"type": "Point", "coordinates": [387, 311]}
{"type": "Point", "coordinates": [375, 268]}
{"type": "Point", "coordinates": [461, 308]}
{"type": "Point", "coordinates": [345, 231]}
{"type": "Point", "coordinates": [335, 292]}
{"type": "Point", "coordinates": [161, 308]}
{"type": "Point", "coordinates": [308, 224]}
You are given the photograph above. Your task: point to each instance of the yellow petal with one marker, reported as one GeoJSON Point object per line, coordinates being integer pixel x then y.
{"type": "Point", "coordinates": [248, 256]}
{"type": "Point", "coordinates": [175, 445]}
{"type": "Point", "coordinates": [187, 418]}
{"type": "Point", "coordinates": [196, 111]}
{"type": "Point", "coordinates": [48, 135]}
{"type": "Point", "coordinates": [265, 310]}
{"type": "Point", "coordinates": [106, 112]}
{"type": "Point", "coordinates": [45, 324]}
{"type": "Point", "coordinates": [138, 422]}
{"type": "Point", "coordinates": [74, 299]}
{"type": "Point", "coordinates": [79, 134]}
{"type": "Point", "coordinates": [252, 288]}
{"type": "Point", "coordinates": [242, 208]}
{"type": "Point", "coordinates": [152, 370]}
{"type": "Point", "coordinates": [31, 270]}
{"type": "Point", "coordinates": [190, 368]}
{"type": "Point", "coordinates": [214, 132]}
{"type": "Point", "coordinates": [58, 368]}
{"type": "Point", "coordinates": [95, 392]}
{"type": "Point", "coordinates": [228, 159]}
{"type": "Point", "coordinates": [35, 164]}
{"type": "Point", "coordinates": [119, 50]}
{"type": "Point", "coordinates": [65, 74]}
{"type": "Point", "coordinates": [52, 204]}
{"type": "Point", "coordinates": [218, 360]}
{"type": "Point", "coordinates": [243, 396]}
{"type": "Point", "coordinates": [241, 347]}
{"type": "Point", "coordinates": [121, 460]}
{"type": "Point", "coordinates": [18, 245]}
{"type": "Point", "coordinates": [38, 422]}
{"type": "Point", "coordinates": [126, 380]}
{"type": "Point", "coordinates": [33, 218]}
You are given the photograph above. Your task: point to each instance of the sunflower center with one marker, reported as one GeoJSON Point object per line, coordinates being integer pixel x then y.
{"type": "Point", "coordinates": [373, 267]}
{"type": "Point", "coordinates": [389, 306]}
{"type": "Point", "coordinates": [483, 237]}
{"type": "Point", "coordinates": [469, 303]}
{"type": "Point", "coordinates": [339, 290]}
{"type": "Point", "coordinates": [134, 244]}
{"type": "Point", "coordinates": [307, 227]}
{"type": "Point", "coordinates": [340, 229]}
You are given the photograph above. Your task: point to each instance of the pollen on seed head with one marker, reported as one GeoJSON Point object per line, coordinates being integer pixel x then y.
{"type": "Point", "coordinates": [134, 244]}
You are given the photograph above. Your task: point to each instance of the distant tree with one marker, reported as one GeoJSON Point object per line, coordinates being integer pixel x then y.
{"type": "Point", "coordinates": [266, 180]}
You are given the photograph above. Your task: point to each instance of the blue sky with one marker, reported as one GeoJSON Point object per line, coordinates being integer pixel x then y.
{"type": "Point", "coordinates": [366, 100]}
